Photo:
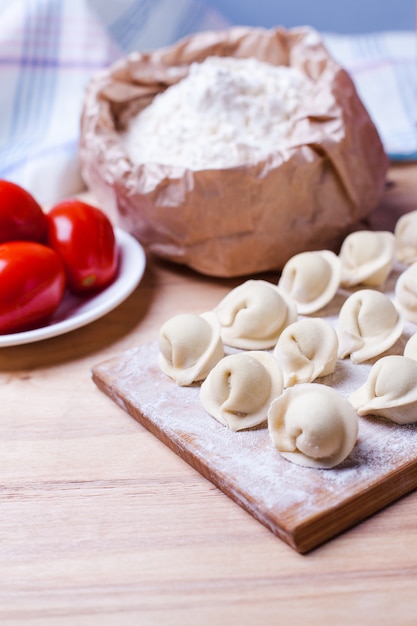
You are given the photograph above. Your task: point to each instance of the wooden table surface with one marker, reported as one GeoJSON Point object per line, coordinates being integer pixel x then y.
{"type": "Point", "coordinates": [100, 523]}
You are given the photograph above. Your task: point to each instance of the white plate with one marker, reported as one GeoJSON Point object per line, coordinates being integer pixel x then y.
{"type": "Point", "coordinates": [77, 311]}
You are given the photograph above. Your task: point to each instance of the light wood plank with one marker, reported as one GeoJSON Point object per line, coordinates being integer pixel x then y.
{"type": "Point", "coordinates": [102, 524]}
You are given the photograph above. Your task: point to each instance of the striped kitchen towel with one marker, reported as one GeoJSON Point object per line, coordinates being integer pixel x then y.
{"type": "Point", "coordinates": [384, 69]}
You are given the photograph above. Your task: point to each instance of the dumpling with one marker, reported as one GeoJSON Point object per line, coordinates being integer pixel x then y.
{"type": "Point", "coordinates": [305, 350]}
{"type": "Point", "coordinates": [313, 425]}
{"type": "Point", "coordinates": [254, 314]}
{"type": "Point", "coordinates": [311, 279]}
{"type": "Point", "coordinates": [190, 346]}
{"type": "Point", "coordinates": [367, 258]}
{"type": "Point", "coordinates": [406, 293]}
{"type": "Point", "coordinates": [406, 238]}
{"type": "Point", "coordinates": [390, 390]}
{"type": "Point", "coordinates": [240, 388]}
{"type": "Point", "coordinates": [410, 348]}
{"type": "Point", "coordinates": [368, 325]}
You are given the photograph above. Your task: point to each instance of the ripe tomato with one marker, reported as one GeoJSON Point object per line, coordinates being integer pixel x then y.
{"type": "Point", "coordinates": [32, 284]}
{"type": "Point", "coordinates": [83, 236]}
{"type": "Point", "coordinates": [21, 217]}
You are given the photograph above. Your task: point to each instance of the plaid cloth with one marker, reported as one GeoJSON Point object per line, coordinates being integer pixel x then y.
{"type": "Point", "coordinates": [49, 49]}
{"type": "Point", "coordinates": [384, 69]}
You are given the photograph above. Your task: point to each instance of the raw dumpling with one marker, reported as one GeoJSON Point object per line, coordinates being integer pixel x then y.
{"type": "Point", "coordinates": [313, 425]}
{"type": "Point", "coordinates": [368, 325]}
{"type": "Point", "coordinates": [406, 238]}
{"type": "Point", "coordinates": [410, 348]}
{"type": "Point", "coordinates": [240, 388]}
{"type": "Point", "coordinates": [390, 390]}
{"type": "Point", "coordinates": [305, 350]}
{"type": "Point", "coordinates": [406, 293]}
{"type": "Point", "coordinates": [254, 314]}
{"type": "Point", "coordinates": [311, 279]}
{"type": "Point", "coordinates": [190, 346]}
{"type": "Point", "coordinates": [367, 258]}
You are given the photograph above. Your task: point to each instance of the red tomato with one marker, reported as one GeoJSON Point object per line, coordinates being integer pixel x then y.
{"type": "Point", "coordinates": [32, 284]}
{"type": "Point", "coordinates": [83, 236]}
{"type": "Point", "coordinates": [21, 217]}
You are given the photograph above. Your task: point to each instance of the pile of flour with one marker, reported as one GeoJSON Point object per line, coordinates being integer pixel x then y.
{"type": "Point", "coordinates": [226, 112]}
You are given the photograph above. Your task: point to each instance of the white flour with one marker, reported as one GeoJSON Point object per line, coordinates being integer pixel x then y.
{"type": "Point", "coordinates": [226, 112]}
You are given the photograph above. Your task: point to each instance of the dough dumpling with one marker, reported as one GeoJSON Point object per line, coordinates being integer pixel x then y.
{"type": "Point", "coordinates": [406, 238]}
{"type": "Point", "coordinates": [240, 388]}
{"type": "Point", "coordinates": [410, 348]}
{"type": "Point", "coordinates": [311, 279]}
{"type": "Point", "coordinates": [406, 293]}
{"type": "Point", "coordinates": [313, 425]}
{"type": "Point", "coordinates": [254, 314]}
{"type": "Point", "coordinates": [367, 258]}
{"type": "Point", "coordinates": [190, 346]}
{"type": "Point", "coordinates": [368, 325]}
{"type": "Point", "coordinates": [306, 350]}
{"type": "Point", "coordinates": [390, 390]}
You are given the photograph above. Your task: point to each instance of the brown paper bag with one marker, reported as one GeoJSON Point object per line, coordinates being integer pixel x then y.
{"type": "Point", "coordinates": [246, 219]}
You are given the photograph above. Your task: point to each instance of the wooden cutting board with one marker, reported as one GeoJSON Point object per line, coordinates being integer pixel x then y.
{"type": "Point", "coordinates": [304, 507]}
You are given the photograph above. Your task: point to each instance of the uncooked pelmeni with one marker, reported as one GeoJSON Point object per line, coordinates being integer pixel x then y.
{"type": "Point", "coordinates": [311, 279]}
{"type": "Point", "coordinates": [406, 238]}
{"type": "Point", "coordinates": [410, 348]}
{"type": "Point", "coordinates": [254, 314]}
{"type": "Point", "coordinates": [390, 390]}
{"type": "Point", "coordinates": [190, 346]}
{"type": "Point", "coordinates": [306, 350]}
{"type": "Point", "coordinates": [240, 388]}
{"type": "Point", "coordinates": [313, 425]}
{"type": "Point", "coordinates": [368, 324]}
{"type": "Point", "coordinates": [406, 293]}
{"type": "Point", "coordinates": [367, 258]}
